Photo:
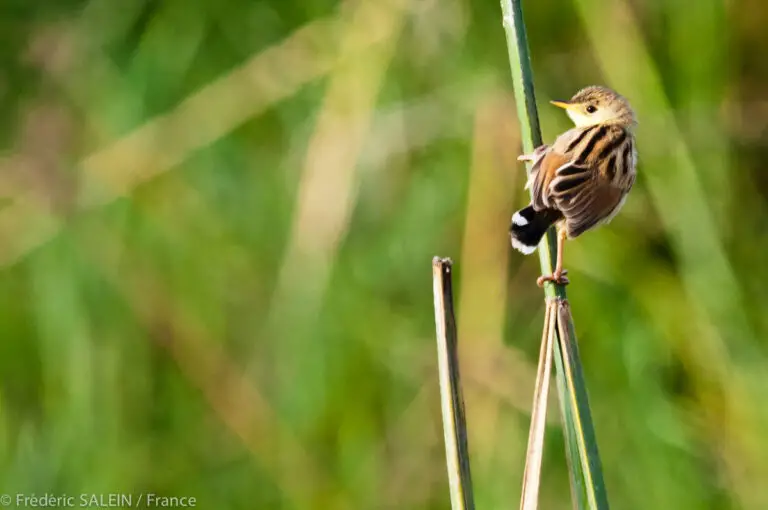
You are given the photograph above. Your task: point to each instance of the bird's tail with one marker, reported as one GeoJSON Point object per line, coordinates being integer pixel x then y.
{"type": "Point", "coordinates": [529, 226]}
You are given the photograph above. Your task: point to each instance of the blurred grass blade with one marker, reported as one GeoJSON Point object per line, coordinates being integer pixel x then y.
{"type": "Point", "coordinates": [581, 447]}
{"type": "Point", "coordinates": [452, 402]}
{"type": "Point", "coordinates": [532, 475]}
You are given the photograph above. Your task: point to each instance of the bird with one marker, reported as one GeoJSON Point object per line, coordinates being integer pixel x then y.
{"type": "Point", "coordinates": [582, 179]}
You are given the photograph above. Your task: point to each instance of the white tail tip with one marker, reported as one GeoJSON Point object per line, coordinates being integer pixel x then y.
{"type": "Point", "coordinates": [522, 248]}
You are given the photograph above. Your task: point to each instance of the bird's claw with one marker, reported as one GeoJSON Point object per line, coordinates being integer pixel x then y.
{"type": "Point", "coordinates": [558, 278]}
{"type": "Point", "coordinates": [537, 153]}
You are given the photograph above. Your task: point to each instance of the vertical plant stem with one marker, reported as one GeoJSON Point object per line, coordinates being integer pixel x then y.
{"type": "Point", "coordinates": [583, 458]}
{"type": "Point", "coordinates": [579, 403]}
{"type": "Point", "coordinates": [532, 476]}
{"type": "Point", "coordinates": [575, 474]}
{"type": "Point", "coordinates": [522, 77]}
{"type": "Point", "coordinates": [452, 401]}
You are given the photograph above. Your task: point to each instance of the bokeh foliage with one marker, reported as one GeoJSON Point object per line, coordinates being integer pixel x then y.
{"type": "Point", "coordinates": [217, 222]}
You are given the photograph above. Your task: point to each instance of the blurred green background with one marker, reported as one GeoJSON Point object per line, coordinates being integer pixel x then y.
{"type": "Point", "coordinates": [217, 220]}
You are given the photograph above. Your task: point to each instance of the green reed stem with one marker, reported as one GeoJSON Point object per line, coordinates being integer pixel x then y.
{"type": "Point", "coordinates": [587, 485]}
{"type": "Point", "coordinates": [451, 399]}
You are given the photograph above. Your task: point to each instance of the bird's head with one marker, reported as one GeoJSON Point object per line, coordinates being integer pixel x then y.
{"type": "Point", "coordinates": [598, 105]}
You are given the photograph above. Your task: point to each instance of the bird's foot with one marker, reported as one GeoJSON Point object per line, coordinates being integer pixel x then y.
{"type": "Point", "coordinates": [557, 277]}
{"type": "Point", "coordinates": [536, 154]}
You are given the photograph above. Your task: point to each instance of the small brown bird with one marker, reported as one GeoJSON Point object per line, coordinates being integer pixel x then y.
{"type": "Point", "coordinates": [581, 180]}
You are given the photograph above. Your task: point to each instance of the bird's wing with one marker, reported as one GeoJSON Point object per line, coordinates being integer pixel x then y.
{"type": "Point", "coordinates": [587, 179]}
{"type": "Point", "coordinates": [559, 155]}
{"type": "Point", "coordinates": [588, 205]}
{"type": "Point", "coordinates": [542, 176]}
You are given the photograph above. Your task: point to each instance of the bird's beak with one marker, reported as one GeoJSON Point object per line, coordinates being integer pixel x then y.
{"type": "Point", "coordinates": [562, 104]}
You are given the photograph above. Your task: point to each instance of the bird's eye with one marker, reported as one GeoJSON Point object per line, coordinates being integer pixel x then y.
{"type": "Point", "coordinates": [591, 108]}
